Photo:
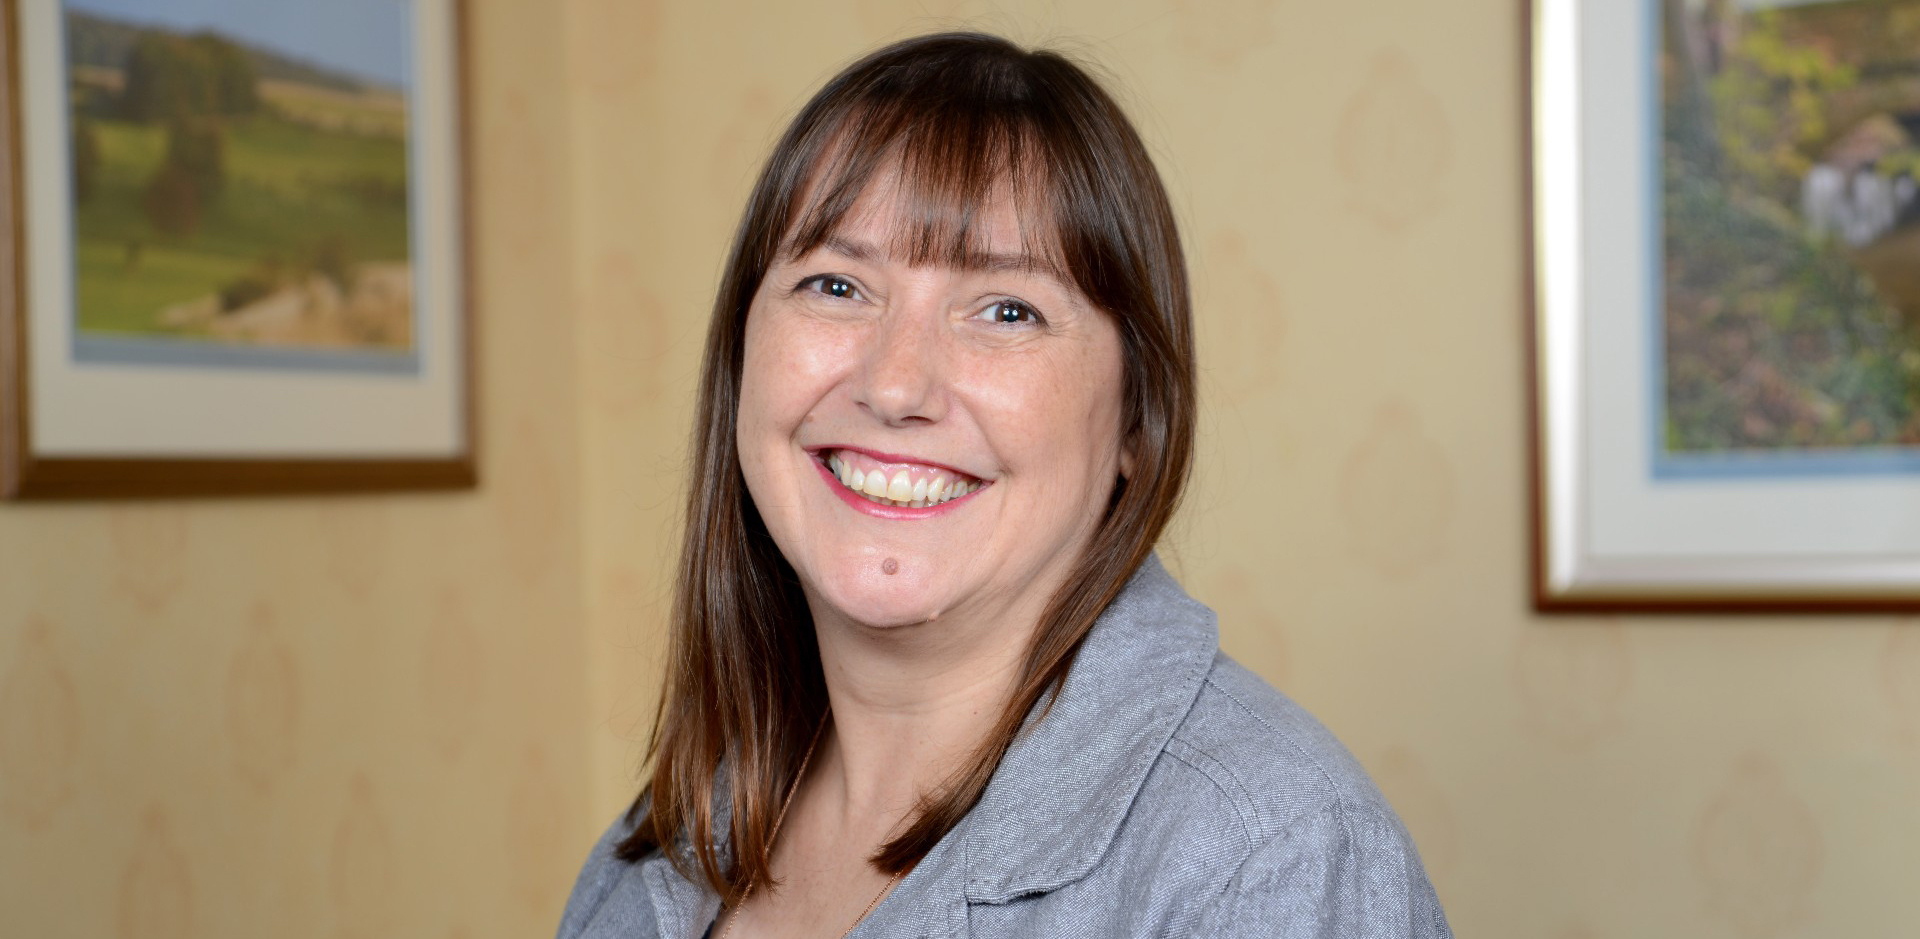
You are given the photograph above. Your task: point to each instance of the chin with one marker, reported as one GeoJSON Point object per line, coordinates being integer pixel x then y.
{"type": "Point", "coordinates": [878, 600]}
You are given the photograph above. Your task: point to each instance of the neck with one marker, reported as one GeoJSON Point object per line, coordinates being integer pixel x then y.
{"type": "Point", "coordinates": [911, 704]}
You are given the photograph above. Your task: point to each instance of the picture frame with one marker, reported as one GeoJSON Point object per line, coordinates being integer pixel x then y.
{"type": "Point", "coordinates": [234, 255]}
{"type": "Point", "coordinates": [1723, 373]}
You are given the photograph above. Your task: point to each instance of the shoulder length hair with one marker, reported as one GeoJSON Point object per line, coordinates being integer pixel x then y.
{"type": "Point", "coordinates": [961, 116]}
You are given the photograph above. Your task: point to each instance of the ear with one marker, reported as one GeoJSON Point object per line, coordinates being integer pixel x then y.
{"type": "Point", "coordinates": [1126, 460]}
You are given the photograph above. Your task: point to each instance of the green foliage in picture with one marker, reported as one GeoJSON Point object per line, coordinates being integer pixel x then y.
{"type": "Point", "coordinates": [1790, 253]}
{"type": "Point", "coordinates": [1770, 104]}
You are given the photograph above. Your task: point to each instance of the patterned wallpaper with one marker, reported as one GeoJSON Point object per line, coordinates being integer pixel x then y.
{"type": "Point", "coordinates": [408, 716]}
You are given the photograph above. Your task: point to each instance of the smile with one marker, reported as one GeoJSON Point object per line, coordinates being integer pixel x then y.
{"type": "Point", "coordinates": [897, 484]}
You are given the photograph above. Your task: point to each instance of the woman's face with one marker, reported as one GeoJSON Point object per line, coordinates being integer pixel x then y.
{"type": "Point", "coordinates": [925, 440]}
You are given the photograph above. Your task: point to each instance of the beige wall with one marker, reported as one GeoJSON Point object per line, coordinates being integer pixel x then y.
{"type": "Point", "coordinates": [469, 674]}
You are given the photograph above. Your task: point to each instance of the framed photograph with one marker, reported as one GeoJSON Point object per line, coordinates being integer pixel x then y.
{"type": "Point", "coordinates": [1725, 229]}
{"type": "Point", "coordinates": [234, 253]}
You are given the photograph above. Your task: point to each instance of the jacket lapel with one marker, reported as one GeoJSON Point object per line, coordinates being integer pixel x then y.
{"type": "Point", "coordinates": [1059, 796]}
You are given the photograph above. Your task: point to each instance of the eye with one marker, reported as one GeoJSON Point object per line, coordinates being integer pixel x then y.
{"type": "Point", "coordinates": [830, 285]}
{"type": "Point", "coordinates": [1007, 311]}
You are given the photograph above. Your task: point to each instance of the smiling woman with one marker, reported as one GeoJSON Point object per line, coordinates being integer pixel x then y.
{"type": "Point", "coordinates": [926, 677]}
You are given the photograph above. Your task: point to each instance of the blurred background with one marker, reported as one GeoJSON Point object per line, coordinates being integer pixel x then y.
{"type": "Point", "coordinates": [410, 715]}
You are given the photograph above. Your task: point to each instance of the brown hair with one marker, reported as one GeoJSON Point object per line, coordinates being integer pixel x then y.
{"type": "Point", "coordinates": [958, 114]}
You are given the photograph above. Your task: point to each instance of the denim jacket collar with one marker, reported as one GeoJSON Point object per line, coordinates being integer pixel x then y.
{"type": "Point", "coordinates": [1057, 800]}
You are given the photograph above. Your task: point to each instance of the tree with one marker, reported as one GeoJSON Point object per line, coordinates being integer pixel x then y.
{"type": "Point", "coordinates": [169, 76]}
{"type": "Point", "coordinates": [86, 160]}
{"type": "Point", "coordinates": [172, 201]}
{"type": "Point", "coordinates": [196, 147]}
{"type": "Point", "coordinates": [190, 177]}
{"type": "Point", "coordinates": [1689, 109]}
{"type": "Point", "coordinates": [165, 78]}
{"type": "Point", "coordinates": [234, 79]}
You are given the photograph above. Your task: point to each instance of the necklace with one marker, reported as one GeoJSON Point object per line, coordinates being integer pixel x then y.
{"type": "Point", "coordinates": [781, 818]}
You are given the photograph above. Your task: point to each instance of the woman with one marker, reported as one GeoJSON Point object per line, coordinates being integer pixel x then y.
{"type": "Point", "coordinates": [926, 677]}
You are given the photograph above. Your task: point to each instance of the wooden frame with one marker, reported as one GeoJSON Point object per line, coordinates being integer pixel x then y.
{"type": "Point", "coordinates": [1614, 529]}
{"type": "Point", "coordinates": [301, 458]}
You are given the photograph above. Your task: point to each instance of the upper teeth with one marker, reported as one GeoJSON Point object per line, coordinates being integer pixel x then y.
{"type": "Point", "coordinates": [915, 487]}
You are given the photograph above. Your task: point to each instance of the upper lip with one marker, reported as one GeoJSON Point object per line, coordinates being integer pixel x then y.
{"type": "Point", "coordinates": [885, 457]}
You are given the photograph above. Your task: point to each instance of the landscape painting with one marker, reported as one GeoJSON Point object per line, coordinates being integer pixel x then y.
{"type": "Point", "coordinates": [1790, 196]}
{"type": "Point", "coordinates": [240, 186]}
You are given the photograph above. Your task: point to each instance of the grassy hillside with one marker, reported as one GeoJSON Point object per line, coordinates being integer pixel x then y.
{"type": "Point", "coordinates": [293, 191]}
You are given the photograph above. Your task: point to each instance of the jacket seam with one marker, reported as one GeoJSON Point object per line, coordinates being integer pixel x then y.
{"type": "Point", "coordinates": [1333, 788]}
{"type": "Point", "coordinates": [1236, 797]}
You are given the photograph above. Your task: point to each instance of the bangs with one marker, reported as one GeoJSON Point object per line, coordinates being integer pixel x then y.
{"type": "Point", "coordinates": [950, 168]}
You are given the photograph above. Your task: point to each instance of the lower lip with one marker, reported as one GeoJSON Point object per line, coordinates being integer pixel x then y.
{"type": "Point", "coordinates": [877, 510]}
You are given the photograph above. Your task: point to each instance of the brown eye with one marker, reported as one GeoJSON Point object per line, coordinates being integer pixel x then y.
{"type": "Point", "coordinates": [1011, 312]}
{"type": "Point", "coordinates": [831, 285]}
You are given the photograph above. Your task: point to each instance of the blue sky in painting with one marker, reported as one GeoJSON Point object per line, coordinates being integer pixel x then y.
{"type": "Point", "coordinates": [365, 38]}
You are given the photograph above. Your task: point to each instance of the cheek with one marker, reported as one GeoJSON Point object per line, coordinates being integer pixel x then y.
{"type": "Point", "coordinates": [1057, 415]}
{"type": "Point", "coordinates": [755, 370]}
{"type": "Point", "coordinates": [790, 368]}
{"type": "Point", "coordinates": [768, 399]}
{"type": "Point", "coordinates": [779, 374]}
{"type": "Point", "coordinates": [1092, 412]}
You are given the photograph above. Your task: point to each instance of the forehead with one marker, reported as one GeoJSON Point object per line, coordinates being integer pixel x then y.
{"type": "Point", "coordinates": [919, 212]}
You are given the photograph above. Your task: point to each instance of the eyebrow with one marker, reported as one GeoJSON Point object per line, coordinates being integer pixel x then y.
{"type": "Point", "coordinates": [990, 262]}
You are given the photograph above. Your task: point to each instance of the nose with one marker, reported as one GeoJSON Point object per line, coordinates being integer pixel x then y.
{"type": "Point", "coordinates": [899, 378]}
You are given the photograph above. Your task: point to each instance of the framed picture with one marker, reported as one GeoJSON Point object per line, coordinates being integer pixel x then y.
{"type": "Point", "coordinates": [234, 255]}
{"type": "Point", "coordinates": [1725, 229]}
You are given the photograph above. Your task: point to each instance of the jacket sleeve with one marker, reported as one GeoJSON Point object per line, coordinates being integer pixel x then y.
{"type": "Point", "coordinates": [1340, 873]}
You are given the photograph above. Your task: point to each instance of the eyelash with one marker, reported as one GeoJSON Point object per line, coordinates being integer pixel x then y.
{"type": "Point", "coordinates": [822, 283]}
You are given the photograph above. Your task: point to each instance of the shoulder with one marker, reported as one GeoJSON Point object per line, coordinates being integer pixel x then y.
{"type": "Point", "coordinates": [599, 874]}
{"type": "Point", "coordinates": [1263, 755]}
{"type": "Point", "coordinates": [1268, 826]}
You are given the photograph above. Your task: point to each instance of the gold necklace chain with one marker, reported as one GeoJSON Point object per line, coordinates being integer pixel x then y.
{"type": "Point", "coordinates": [781, 818]}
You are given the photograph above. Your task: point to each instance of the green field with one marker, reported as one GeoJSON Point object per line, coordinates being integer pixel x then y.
{"type": "Point", "coordinates": [289, 189]}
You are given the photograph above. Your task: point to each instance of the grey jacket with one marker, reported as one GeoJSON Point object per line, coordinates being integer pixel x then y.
{"type": "Point", "coordinates": [1169, 792]}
